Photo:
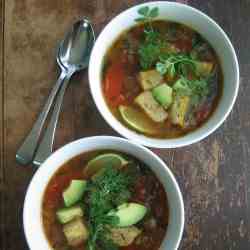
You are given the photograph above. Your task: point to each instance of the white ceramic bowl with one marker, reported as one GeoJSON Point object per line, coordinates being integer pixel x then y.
{"type": "Point", "coordinates": [32, 206]}
{"type": "Point", "coordinates": [200, 22]}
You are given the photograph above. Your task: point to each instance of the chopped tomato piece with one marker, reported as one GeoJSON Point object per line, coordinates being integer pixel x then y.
{"type": "Point", "coordinates": [202, 114]}
{"type": "Point", "coordinates": [130, 247]}
{"type": "Point", "coordinates": [118, 100]}
{"type": "Point", "coordinates": [54, 192]}
{"type": "Point", "coordinates": [140, 190]}
{"type": "Point", "coordinates": [114, 82]}
{"type": "Point", "coordinates": [138, 32]}
{"type": "Point", "coordinates": [185, 45]}
{"type": "Point", "coordinates": [125, 57]}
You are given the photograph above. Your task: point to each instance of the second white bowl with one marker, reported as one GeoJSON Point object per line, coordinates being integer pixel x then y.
{"type": "Point", "coordinates": [32, 219]}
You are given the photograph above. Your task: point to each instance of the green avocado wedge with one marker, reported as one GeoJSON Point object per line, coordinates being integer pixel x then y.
{"type": "Point", "coordinates": [129, 214]}
{"type": "Point", "coordinates": [64, 215]}
{"type": "Point", "coordinates": [74, 192]}
{"type": "Point", "coordinates": [163, 94]}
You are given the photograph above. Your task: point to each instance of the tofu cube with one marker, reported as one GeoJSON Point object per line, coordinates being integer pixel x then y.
{"type": "Point", "coordinates": [75, 232]}
{"type": "Point", "coordinates": [150, 79]}
{"type": "Point", "coordinates": [124, 236]}
{"type": "Point", "coordinates": [151, 107]}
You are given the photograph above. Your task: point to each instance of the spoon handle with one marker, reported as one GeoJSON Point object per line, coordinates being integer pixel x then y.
{"type": "Point", "coordinates": [45, 148]}
{"type": "Point", "coordinates": [26, 151]}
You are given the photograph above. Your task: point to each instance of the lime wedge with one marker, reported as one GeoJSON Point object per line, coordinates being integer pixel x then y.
{"type": "Point", "coordinates": [137, 120]}
{"type": "Point", "coordinates": [104, 160]}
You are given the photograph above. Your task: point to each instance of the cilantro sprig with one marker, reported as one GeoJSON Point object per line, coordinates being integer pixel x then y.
{"type": "Point", "coordinates": [150, 50]}
{"type": "Point", "coordinates": [106, 191]}
{"type": "Point", "coordinates": [153, 52]}
{"type": "Point", "coordinates": [147, 14]}
{"type": "Point", "coordinates": [173, 64]}
{"type": "Point", "coordinates": [197, 88]}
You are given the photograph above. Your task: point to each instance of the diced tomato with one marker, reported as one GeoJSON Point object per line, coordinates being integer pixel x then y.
{"type": "Point", "coordinates": [124, 57]}
{"type": "Point", "coordinates": [138, 32]}
{"type": "Point", "coordinates": [130, 247]}
{"type": "Point", "coordinates": [114, 82]}
{"type": "Point", "coordinates": [202, 114]}
{"type": "Point", "coordinates": [140, 190]}
{"type": "Point", "coordinates": [118, 100]}
{"type": "Point", "coordinates": [185, 45]}
{"type": "Point", "coordinates": [54, 192]}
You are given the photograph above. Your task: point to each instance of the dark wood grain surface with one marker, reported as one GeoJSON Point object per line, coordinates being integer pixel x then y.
{"type": "Point", "coordinates": [1, 125]}
{"type": "Point", "coordinates": [214, 175]}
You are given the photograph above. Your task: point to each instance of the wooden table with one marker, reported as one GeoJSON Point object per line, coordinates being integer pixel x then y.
{"type": "Point", "coordinates": [214, 174]}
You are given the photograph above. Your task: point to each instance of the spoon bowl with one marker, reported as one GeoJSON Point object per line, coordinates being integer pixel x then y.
{"type": "Point", "coordinates": [74, 51]}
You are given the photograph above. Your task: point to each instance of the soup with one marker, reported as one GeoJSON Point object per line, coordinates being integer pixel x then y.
{"type": "Point", "coordinates": [104, 200]}
{"type": "Point", "coordinates": [160, 78]}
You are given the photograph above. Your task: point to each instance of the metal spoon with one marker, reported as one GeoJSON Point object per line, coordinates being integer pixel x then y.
{"type": "Point", "coordinates": [78, 52]}
{"type": "Point", "coordinates": [73, 55]}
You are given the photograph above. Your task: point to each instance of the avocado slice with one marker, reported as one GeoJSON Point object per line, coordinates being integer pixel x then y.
{"type": "Point", "coordinates": [65, 215]}
{"type": "Point", "coordinates": [74, 192]}
{"type": "Point", "coordinates": [163, 94]}
{"type": "Point", "coordinates": [182, 87]}
{"type": "Point", "coordinates": [129, 214]}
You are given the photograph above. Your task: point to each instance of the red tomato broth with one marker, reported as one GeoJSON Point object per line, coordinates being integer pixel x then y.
{"type": "Point", "coordinates": [184, 43]}
{"type": "Point", "coordinates": [147, 183]}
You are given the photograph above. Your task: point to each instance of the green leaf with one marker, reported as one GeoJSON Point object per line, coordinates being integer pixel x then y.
{"type": "Point", "coordinates": [179, 63]}
{"type": "Point", "coordinates": [150, 50]}
{"type": "Point", "coordinates": [144, 11]}
{"type": "Point", "coordinates": [148, 55]}
{"type": "Point", "coordinates": [141, 19]}
{"type": "Point", "coordinates": [195, 88]}
{"type": "Point", "coordinates": [172, 71]}
{"type": "Point", "coordinates": [195, 100]}
{"type": "Point", "coordinates": [154, 12]}
{"type": "Point", "coordinates": [111, 186]}
{"type": "Point", "coordinates": [182, 88]}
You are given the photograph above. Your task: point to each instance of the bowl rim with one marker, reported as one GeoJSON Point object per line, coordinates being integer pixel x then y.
{"type": "Point", "coordinates": [164, 142]}
{"type": "Point", "coordinates": [32, 188]}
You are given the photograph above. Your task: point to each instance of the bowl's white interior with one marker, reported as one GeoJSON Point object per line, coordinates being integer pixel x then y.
{"type": "Point", "coordinates": [32, 206]}
{"type": "Point", "coordinates": [208, 29]}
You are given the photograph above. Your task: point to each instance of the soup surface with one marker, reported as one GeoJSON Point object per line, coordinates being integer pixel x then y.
{"type": "Point", "coordinates": [104, 200]}
{"type": "Point", "coordinates": [161, 79]}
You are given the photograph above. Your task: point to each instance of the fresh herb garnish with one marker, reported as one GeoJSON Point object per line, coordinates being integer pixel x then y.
{"type": "Point", "coordinates": [150, 50]}
{"type": "Point", "coordinates": [147, 14]}
{"type": "Point", "coordinates": [106, 191]}
{"type": "Point", "coordinates": [174, 64]}
{"type": "Point", "coordinates": [197, 88]}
